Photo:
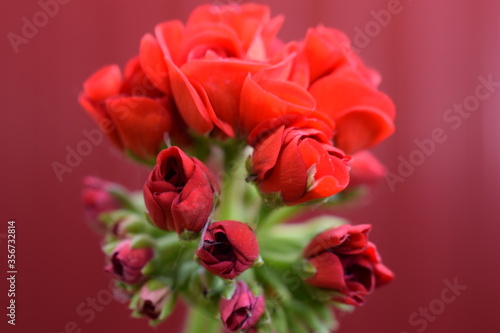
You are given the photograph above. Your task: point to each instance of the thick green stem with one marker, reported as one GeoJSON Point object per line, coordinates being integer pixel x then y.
{"type": "Point", "coordinates": [198, 321]}
{"type": "Point", "coordinates": [232, 206]}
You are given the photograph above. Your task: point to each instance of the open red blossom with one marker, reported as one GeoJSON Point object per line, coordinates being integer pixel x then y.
{"type": "Point", "coordinates": [129, 109]}
{"type": "Point", "coordinates": [228, 248]}
{"type": "Point", "coordinates": [293, 157]}
{"type": "Point", "coordinates": [346, 262]}
{"type": "Point", "coordinates": [127, 262]}
{"type": "Point", "coordinates": [209, 58]}
{"type": "Point", "coordinates": [243, 310]}
{"type": "Point", "coordinates": [343, 88]}
{"type": "Point", "coordinates": [179, 192]}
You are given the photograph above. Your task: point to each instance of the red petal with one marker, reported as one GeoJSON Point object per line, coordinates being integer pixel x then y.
{"type": "Point", "coordinates": [339, 92]}
{"type": "Point", "coordinates": [190, 104]}
{"type": "Point", "coordinates": [325, 48]}
{"type": "Point", "coordinates": [211, 36]}
{"type": "Point", "coordinates": [153, 63]}
{"type": "Point", "coordinates": [246, 20]}
{"type": "Point", "coordinates": [222, 81]}
{"type": "Point", "coordinates": [266, 153]}
{"type": "Point", "coordinates": [329, 272]}
{"type": "Point", "coordinates": [104, 83]}
{"type": "Point", "coordinates": [141, 123]}
{"type": "Point", "coordinates": [100, 115]}
{"type": "Point", "coordinates": [289, 176]}
{"type": "Point", "coordinates": [193, 212]}
{"type": "Point", "coordinates": [327, 239]}
{"type": "Point", "coordinates": [363, 128]}
{"type": "Point", "coordinates": [223, 126]}
{"type": "Point", "coordinates": [264, 100]}
{"type": "Point", "coordinates": [171, 36]}
{"type": "Point", "coordinates": [242, 238]}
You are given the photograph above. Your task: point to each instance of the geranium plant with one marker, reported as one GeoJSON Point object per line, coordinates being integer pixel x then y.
{"type": "Point", "coordinates": [243, 133]}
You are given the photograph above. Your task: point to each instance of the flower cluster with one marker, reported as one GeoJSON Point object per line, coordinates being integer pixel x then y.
{"type": "Point", "coordinates": [242, 131]}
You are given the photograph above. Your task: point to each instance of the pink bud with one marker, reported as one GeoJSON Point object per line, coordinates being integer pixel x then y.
{"type": "Point", "coordinates": [152, 302]}
{"type": "Point", "coordinates": [127, 263]}
{"type": "Point", "coordinates": [242, 310]}
{"type": "Point", "coordinates": [97, 199]}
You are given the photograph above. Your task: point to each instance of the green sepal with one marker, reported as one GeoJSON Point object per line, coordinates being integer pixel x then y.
{"type": "Point", "coordinates": [135, 226]}
{"type": "Point", "coordinates": [305, 269]}
{"type": "Point", "coordinates": [229, 289]}
{"type": "Point", "coordinates": [167, 309]}
{"type": "Point", "coordinates": [136, 314]}
{"type": "Point", "coordinates": [258, 262]}
{"type": "Point", "coordinates": [112, 217]}
{"type": "Point", "coordinates": [320, 294]}
{"type": "Point", "coordinates": [142, 241]}
{"type": "Point", "coordinates": [188, 236]}
{"type": "Point", "coordinates": [109, 248]}
{"type": "Point", "coordinates": [134, 301]}
{"type": "Point", "coordinates": [273, 200]}
{"type": "Point", "coordinates": [149, 269]}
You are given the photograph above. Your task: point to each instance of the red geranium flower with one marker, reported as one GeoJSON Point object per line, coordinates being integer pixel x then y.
{"type": "Point", "coordinates": [293, 157]}
{"type": "Point", "coordinates": [346, 262]}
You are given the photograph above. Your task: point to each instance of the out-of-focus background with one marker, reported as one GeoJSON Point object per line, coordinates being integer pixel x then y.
{"type": "Point", "coordinates": [435, 220]}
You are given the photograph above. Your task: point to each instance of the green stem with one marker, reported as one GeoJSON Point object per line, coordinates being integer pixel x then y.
{"type": "Point", "coordinates": [279, 215]}
{"type": "Point", "coordinates": [232, 205]}
{"type": "Point", "coordinates": [198, 321]}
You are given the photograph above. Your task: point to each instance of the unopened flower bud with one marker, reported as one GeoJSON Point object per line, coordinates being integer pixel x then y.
{"type": "Point", "coordinates": [127, 262]}
{"type": "Point", "coordinates": [228, 248]}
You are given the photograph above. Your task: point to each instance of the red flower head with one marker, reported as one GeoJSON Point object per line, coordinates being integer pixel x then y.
{"type": "Point", "coordinates": [346, 262]}
{"type": "Point", "coordinates": [243, 310]}
{"type": "Point", "coordinates": [127, 263]}
{"type": "Point", "coordinates": [97, 199]}
{"type": "Point", "coordinates": [344, 89]}
{"type": "Point", "coordinates": [228, 249]}
{"type": "Point", "coordinates": [209, 58]}
{"type": "Point", "coordinates": [130, 110]}
{"type": "Point", "coordinates": [179, 192]}
{"type": "Point", "coordinates": [151, 302]}
{"type": "Point", "coordinates": [294, 157]}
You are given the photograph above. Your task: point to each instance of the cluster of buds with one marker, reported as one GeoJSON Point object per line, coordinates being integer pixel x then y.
{"type": "Point", "coordinates": [242, 133]}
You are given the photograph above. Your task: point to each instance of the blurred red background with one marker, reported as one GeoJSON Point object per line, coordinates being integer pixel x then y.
{"type": "Point", "coordinates": [440, 223]}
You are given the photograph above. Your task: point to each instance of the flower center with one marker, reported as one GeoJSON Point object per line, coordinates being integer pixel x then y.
{"type": "Point", "coordinates": [221, 248]}
{"type": "Point", "coordinates": [175, 173]}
